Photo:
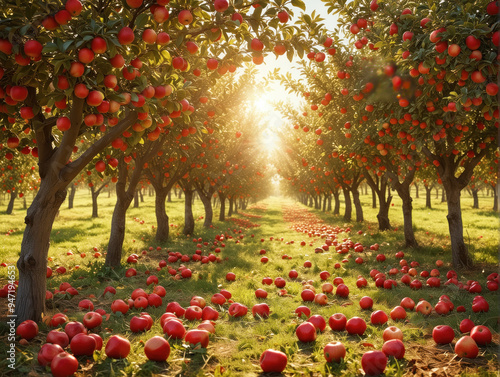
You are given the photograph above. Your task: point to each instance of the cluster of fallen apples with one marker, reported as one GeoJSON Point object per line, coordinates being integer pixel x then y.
{"type": "Point", "coordinates": [82, 339]}
{"type": "Point", "coordinates": [83, 342]}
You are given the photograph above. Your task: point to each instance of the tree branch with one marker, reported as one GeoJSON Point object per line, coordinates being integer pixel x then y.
{"type": "Point", "coordinates": [73, 168]}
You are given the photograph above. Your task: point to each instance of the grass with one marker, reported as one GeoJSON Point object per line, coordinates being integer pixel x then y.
{"type": "Point", "coordinates": [235, 348]}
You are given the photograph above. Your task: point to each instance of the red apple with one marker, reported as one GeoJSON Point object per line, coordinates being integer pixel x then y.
{"type": "Point", "coordinates": [337, 322]}
{"type": "Point", "coordinates": [374, 362]}
{"type": "Point", "coordinates": [443, 334]}
{"type": "Point", "coordinates": [392, 332]}
{"type": "Point", "coordinates": [272, 361]}
{"type": "Point", "coordinates": [157, 349]}
{"type": "Point", "coordinates": [117, 347]}
{"type": "Point", "coordinates": [466, 347]}
{"type": "Point", "coordinates": [64, 364]}
{"type": "Point", "coordinates": [334, 351]}
{"type": "Point", "coordinates": [306, 332]}
{"type": "Point", "coordinates": [394, 347]}
{"type": "Point", "coordinates": [481, 335]}
{"type": "Point", "coordinates": [356, 326]}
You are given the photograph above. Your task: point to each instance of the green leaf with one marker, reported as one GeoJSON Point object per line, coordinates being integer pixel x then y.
{"type": "Point", "coordinates": [49, 47]}
{"type": "Point", "coordinates": [66, 45]}
{"type": "Point", "coordinates": [299, 4]}
{"type": "Point", "coordinates": [141, 20]}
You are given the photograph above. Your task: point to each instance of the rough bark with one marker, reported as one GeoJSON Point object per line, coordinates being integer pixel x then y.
{"type": "Point", "coordinates": [428, 191]}
{"type": "Point", "coordinates": [475, 196]}
{"type": "Point", "coordinates": [443, 196]}
{"type": "Point", "coordinates": [222, 212]}
{"type": "Point", "coordinates": [141, 196]}
{"type": "Point", "coordinates": [336, 198]}
{"type": "Point", "coordinates": [10, 206]}
{"type": "Point", "coordinates": [230, 209]}
{"type": "Point", "coordinates": [209, 213]}
{"type": "Point", "coordinates": [403, 189]}
{"type": "Point", "coordinates": [169, 196]}
{"type": "Point", "coordinates": [162, 225]}
{"type": "Point", "coordinates": [460, 255]}
{"type": "Point", "coordinates": [374, 199]}
{"type": "Point", "coordinates": [329, 206]}
{"type": "Point", "coordinates": [32, 263]}
{"type": "Point", "coordinates": [71, 197]}
{"type": "Point", "coordinates": [357, 205]}
{"type": "Point", "coordinates": [95, 192]}
{"type": "Point", "coordinates": [379, 185]}
{"type": "Point", "coordinates": [348, 205]}
{"type": "Point", "coordinates": [136, 199]}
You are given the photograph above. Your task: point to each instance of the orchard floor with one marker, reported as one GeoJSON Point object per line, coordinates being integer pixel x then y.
{"type": "Point", "coordinates": [270, 225]}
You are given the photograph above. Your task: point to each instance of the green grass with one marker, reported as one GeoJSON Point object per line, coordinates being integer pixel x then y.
{"type": "Point", "coordinates": [235, 348]}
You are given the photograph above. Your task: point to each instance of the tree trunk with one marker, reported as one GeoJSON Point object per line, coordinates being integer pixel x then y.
{"type": "Point", "coordinates": [222, 213]}
{"type": "Point", "coordinates": [235, 210]}
{"type": "Point", "coordinates": [357, 205]}
{"type": "Point", "coordinates": [374, 199]}
{"type": "Point", "coordinates": [169, 196]}
{"type": "Point", "coordinates": [404, 193]}
{"type": "Point", "coordinates": [428, 197]}
{"type": "Point", "coordinates": [117, 235]}
{"type": "Point", "coordinates": [71, 197]}
{"type": "Point", "coordinates": [32, 262]}
{"type": "Point", "coordinates": [180, 194]}
{"type": "Point", "coordinates": [417, 191]}
{"type": "Point", "coordinates": [310, 201]}
{"type": "Point", "coordinates": [188, 212]}
{"type": "Point", "coordinates": [209, 213]}
{"type": "Point", "coordinates": [324, 203]}
{"type": "Point", "coordinates": [379, 185]}
{"type": "Point", "coordinates": [141, 196]}
{"type": "Point", "coordinates": [437, 192]}
{"type": "Point", "coordinates": [95, 194]}
{"type": "Point", "coordinates": [162, 225]}
{"type": "Point", "coordinates": [336, 198]}
{"type": "Point", "coordinates": [136, 199]}
{"type": "Point", "coordinates": [475, 197]}
{"type": "Point", "coordinates": [10, 206]}
{"type": "Point", "coordinates": [329, 206]}
{"type": "Point", "coordinates": [348, 205]}
{"type": "Point", "coordinates": [460, 255]}
{"type": "Point", "coordinates": [443, 196]}
{"type": "Point", "coordinates": [230, 210]}
{"type": "Point", "coordinates": [316, 205]}
{"type": "Point", "coordinates": [25, 205]}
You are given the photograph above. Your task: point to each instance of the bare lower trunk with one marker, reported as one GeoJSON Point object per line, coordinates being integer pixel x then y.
{"type": "Point", "coordinates": [94, 203]}
{"type": "Point", "coordinates": [32, 263]}
{"type": "Point", "coordinates": [310, 201]}
{"type": "Point", "coordinates": [475, 196]}
{"type": "Point", "coordinates": [71, 197]}
{"type": "Point", "coordinates": [222, 212]}
{"type": "Point", "coordinates": [25, 205]}
{"type": "Point", "coordinates": [428, 197]}
{"type": "Point", "coordinates": [141, 196]}
{"type": "Point", "coordinates": [329, 206]}
{"type": "Point", "coordinates": [230, 210]}
{"type": "Point", "coordinates": [379, 185]}
{"type": "Point", "coordinates": [209, 213]}
{"type": "Point", "coordinates": [416, 191]}
{"type": "Point", "coordinates": [404, 193]}
{"type": "Point", "coordinates": [10, 206]}
{"type": "Point", "coordinates": [136, 199]}
{"type": "Point", "coordinates": [235, 209]}
{"type": "Point", "coordinates": [348, 205]}
{"type": "Point", "coordinates": [162, 225]}
{"type": "Point", "coordinates": [357, 205]}
{"type": "Point", "coordinates": [443, 196]}
{"type": "Point", "coordinates": [117, 235]}
{"type": "Point", "coordinates": [336, 198]}
{"type": "Point", "coordinates": [169, 196]}
{"type": "Point", "coordinates": [188, 212]}
{"type": "Point", "coordinates": [374, 199]}
{"type": "Point", "coordinates": [460, 255]}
